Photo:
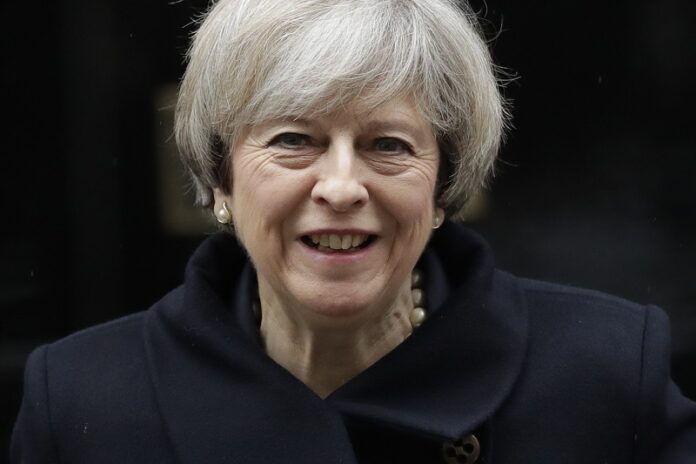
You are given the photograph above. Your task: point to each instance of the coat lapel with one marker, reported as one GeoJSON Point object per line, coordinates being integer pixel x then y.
{"type": "Point", "coordinates": [457, 368]}
{"type": "Point", "coordinates": [223, 400]}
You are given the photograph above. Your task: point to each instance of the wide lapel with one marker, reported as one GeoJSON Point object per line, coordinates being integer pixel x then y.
{"type": "Point", "coordinates": [221, 398]}
{"type": "Point", "coordinates": [456, 369]}
{"type": "Point", "coordinates": [224, 400]}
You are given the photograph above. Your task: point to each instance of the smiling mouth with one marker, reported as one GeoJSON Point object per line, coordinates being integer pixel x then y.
{"type": "Point", "coordinates": [334, 243]}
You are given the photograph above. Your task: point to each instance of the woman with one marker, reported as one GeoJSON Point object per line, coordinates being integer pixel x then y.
{"type": "Point", "coordinates": [328, 322]}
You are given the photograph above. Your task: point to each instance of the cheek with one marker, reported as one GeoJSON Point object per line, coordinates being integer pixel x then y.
{"type": "Point", "coordinates": [410, 199]}
{"type": "Point", "coordinates": [264, 198]}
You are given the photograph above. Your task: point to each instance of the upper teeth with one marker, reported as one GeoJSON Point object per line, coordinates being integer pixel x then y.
{"type": "Point", "coordinates": [338, 242]}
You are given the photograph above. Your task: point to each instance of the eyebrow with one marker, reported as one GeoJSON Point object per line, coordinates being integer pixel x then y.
{"type": "Point", "coordinates": [373, 126]}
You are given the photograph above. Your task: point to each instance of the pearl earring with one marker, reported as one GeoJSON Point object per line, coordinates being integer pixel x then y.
{"type": "Point", "coordinates": [438, 218]}
{"type": "Point", "coordinates": [223, 215]}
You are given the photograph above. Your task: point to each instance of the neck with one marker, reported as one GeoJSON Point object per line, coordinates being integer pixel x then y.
{"type": "Point", "coordinates": [324, 356]}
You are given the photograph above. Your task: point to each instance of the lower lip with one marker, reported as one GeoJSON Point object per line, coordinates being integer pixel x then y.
{"type": "Point", "coordinates": [339, 257]}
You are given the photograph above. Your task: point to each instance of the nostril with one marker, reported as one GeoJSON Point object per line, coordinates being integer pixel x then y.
{"type": "Point", "coordinates": [341, 194]}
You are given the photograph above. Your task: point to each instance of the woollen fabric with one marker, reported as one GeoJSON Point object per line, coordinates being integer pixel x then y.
{"type": "Point", "coordinates": [538, 372]}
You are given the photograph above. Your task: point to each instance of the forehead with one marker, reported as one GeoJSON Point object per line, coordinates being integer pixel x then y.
{"type": "Point", "coordinates": [401, 107]}
{"type": "Point", "coordinates": [401, 112]}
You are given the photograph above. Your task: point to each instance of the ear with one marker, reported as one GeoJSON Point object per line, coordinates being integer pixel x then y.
{"type": "Point", "coordinates": [219, 196]}
{"type": "Point", "coordinates": [222, 206]}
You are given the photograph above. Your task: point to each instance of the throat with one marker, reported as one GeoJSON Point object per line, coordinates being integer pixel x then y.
{"type": "Point", "coordinates": [325, 358]}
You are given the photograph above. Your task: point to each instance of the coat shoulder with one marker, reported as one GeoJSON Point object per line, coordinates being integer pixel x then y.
{"type": "Point", "coordinates": [117, 344]}
{"type": "Point", "coordinates": [91, 390]}
{"type": "Point", "coordinates": [551, 303]}
{"type": "Point", "coordinates": [590, 334]}
{"type": "Point", "coordinates": [104, 339]}
{"type": "Point", "coordinates": [539, 291]}
{"type": "Point", "coordinates": [97, 366]}
{"type": "Point", "coordinates": [597, 377]}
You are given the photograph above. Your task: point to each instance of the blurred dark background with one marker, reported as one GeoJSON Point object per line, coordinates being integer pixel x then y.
{"type": "Point", "coordinates": [595, 187]}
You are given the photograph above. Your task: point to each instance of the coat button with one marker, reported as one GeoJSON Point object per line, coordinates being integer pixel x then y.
{"type": "Point", "coordinates": [463, 451]}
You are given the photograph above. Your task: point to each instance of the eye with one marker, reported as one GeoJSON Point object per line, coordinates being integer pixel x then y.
{"type": "Point", "coordinates": [290, 141]}
{"type": "Point", "coordinates": [392, 145]}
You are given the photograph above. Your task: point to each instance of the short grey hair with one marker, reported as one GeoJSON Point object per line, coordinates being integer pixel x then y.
{"type": "Point", "coordinates": [255, 60]}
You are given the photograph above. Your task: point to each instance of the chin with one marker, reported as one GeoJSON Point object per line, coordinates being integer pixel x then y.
{"type": "Point", "coordinates": [333, 308]}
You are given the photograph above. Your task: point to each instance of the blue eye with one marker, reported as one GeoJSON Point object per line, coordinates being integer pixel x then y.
{"type": "Point", "coordinates": [392, 145]}
{"type": "Point", "coordinates": [290, 141]}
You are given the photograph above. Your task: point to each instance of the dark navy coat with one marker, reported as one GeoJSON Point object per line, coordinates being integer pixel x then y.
{"type": "Point", "coordinates": [540, 373]}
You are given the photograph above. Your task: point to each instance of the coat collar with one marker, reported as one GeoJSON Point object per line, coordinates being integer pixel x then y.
{"type": "Point", "coordinates": [219, 392]}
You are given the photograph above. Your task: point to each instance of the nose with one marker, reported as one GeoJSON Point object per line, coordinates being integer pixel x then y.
{"type": "Point", "coordinates": [339, 184]}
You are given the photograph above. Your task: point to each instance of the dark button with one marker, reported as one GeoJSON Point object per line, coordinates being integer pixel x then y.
{"type": "Point", "coordinates": [463, 451]}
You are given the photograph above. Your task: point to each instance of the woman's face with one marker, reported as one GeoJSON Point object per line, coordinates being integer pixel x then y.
{"type": "Point", "coordinates": [335, 211]}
